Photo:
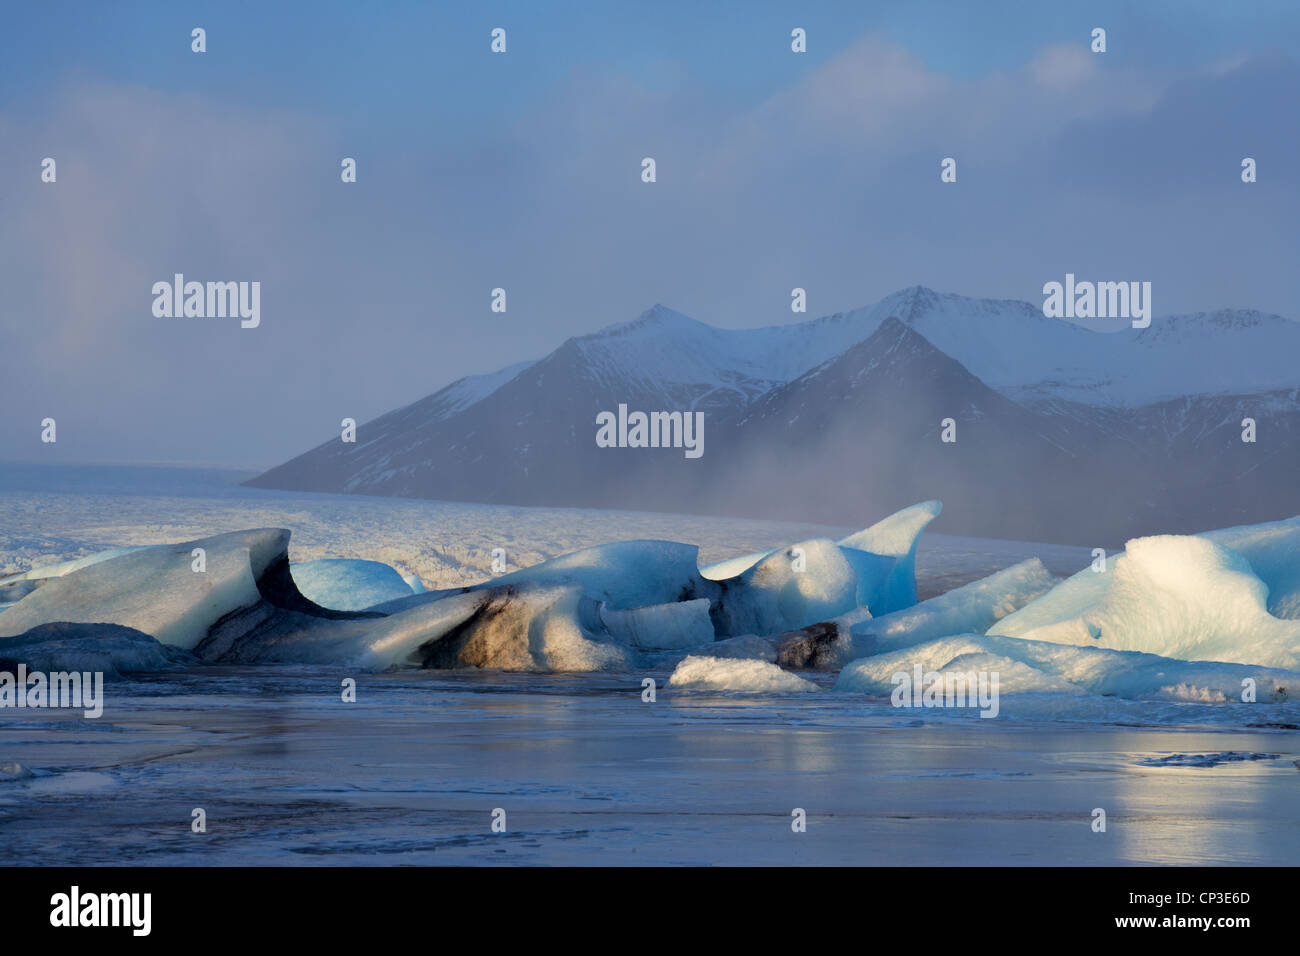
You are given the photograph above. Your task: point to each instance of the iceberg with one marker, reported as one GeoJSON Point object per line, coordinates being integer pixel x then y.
{"type": "Point", "coordinates": [661, 626]}
{"type": "Point", "coordinates": [1273, 550]}
{"type": "Point", "coordinates": [808, 582]}
{"type": "Point", "coordinates": [15, 587]}
{"type": "Point", "coordinates": [885, 557]}
{"type": "Point", "coordinates": [105, 648]}
{"type": "Point", "coordinates": [1026, 666]}
{"type": "Point", "coordinates": [625, 574]}
{"type": "Point", "coordinates": [65, 567]}
{"type": "Point", "coordinates": [972, 608]}
{"type": "Point", "coordinates": [730, 674]}
{"type": "Point", "coordinates": [514, 628]}
{"type": "Point", "coordinates": [746, 646]}
{"type": "Point", "coordinates": [12, 771]}
{"type": "Point", "coordinates": [531, 628]}
{"type": "Point", "coordinates": [732, 567]}
{"type": "Point", "coordinates": [349, 584]}
{"type": "Point", "coordinates": [156, 590]}
{"type": "Point", "coordinates": [1183, 596]}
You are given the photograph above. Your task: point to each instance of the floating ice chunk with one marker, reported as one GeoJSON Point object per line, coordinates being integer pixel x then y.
{"type": "Point", "coordinates": [800, 585]}
{"type": "Point", "coordinates": [564, 633]}
{"type": "Point", "coordinates": [718, 673]}
{"type": "Point", "coordinates": [104, 648]}
{"type": "Point", "coordinates": [515, 628]}
{"type": "Point", "coordinates": [66, 567]}
{"type": "Point", "coordinates": [1060, 610]}
{"type": "Point", "coordinates": [883, 557]}
{"type": "Point", "coordinates": [412, 637]}
{"type": "Point", "coordinates": [414, 600]}
{"type": "Point", "coordinates": [14, 591]}
{"type": "Point", "coordinates": [1024, 666]}
{"type": "Point", "coordinates": [878, 590]}
{"type": "Point", "coordinates": [10, 772]}
{"type": "Point", "coordinates": [15, 587]}
{"type": "Point", "coordinates": [1178, 596]}
{"type": "Point", "coordinates": [625, 574]}
{"type": "Point", "coordinates": [349, 584]}
{"type": "Point", "coordinates": [1273, 550]}
{"type": "Point", "coordinates": [412, 581]}
{"type": "Point", "coordinates": [155, 589]}
{"type": "Point", "coordinates": [895, 537]}
{"type": "Point", "coordinates": [528, 628]}
{"type": "Point", "coordinates": [732, 567]}
{"type": "Point", "coordinates": [661, 626]}
{"type": "Point", "coordinates": [971, 608]}
{"type": "Point", "coordinates": [746, 646]}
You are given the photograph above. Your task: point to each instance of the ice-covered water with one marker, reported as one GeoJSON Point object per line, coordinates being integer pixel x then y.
{"type": "Point", "coordinates": [585, 768]}
{"type": "Point", "coordinates": [589, 773]}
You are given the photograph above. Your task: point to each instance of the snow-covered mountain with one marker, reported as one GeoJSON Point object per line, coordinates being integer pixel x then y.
{"type": "Point", "coordinates": [1011, 346]}
{"type": "Point", "coordinates": [1063, 431]}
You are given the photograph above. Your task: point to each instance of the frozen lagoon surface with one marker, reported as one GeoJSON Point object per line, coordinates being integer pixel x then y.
{"type": "Point", "coordinates": [587, 772]}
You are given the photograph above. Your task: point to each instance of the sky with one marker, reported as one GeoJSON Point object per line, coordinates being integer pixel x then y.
{"type": "Point", "coordinates": [522, 171]}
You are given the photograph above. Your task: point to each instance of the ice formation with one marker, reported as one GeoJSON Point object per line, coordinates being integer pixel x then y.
{"type": "Point", "coordinates": [1184, 596]}
{"type": "Point", "coordinates": [889, 544]}
{"type": "Point", "coordinates": [1174, 617]}
{"type": "Point", "coordinates": [1273, 550]}
{"type": "Point", "coordinates": [971, 608]}
{"type": "Point", "coordinates": [157, 590]}
{"type": "Point", "coordinates": [105, 648]}
{"type": "Point", "coordinates": [348, 584]}
{"type": "Point", "coordinates": [15, 587]}
{"type": "Point", "coordinates": [1026, 666]}
{"type": "Point", "coordinates": [731, 674]}
{"type": "Point", "coordinates": [807, 582]}
{"type": "Point", "coordinates": [661, 626]}
{"type": "Point", "coordinates": [882, 557]}
{"type": "Point", "coordinates": [625, 574]}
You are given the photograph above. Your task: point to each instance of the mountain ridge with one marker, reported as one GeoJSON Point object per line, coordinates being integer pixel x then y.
{"type": "Point", "coordinates": [805, 395]}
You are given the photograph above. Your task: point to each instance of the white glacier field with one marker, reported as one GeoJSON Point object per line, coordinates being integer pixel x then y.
{"type": "Point", "coordinates": [629, 688]}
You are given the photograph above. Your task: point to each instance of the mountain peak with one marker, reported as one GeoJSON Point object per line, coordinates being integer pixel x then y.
{"type": "Point", "coordinates": [657, 317]}
{"type": "Point", "coordinates": [909, 303]}
{"type": "Point", "coordinates": [893, 337]}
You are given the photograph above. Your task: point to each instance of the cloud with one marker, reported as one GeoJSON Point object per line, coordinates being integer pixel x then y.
{"type": "Point", "coordinates": [376, 293]}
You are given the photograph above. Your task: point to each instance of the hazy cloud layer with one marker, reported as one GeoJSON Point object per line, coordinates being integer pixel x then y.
{"type": "Point", "coordinates": [374, 294]}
